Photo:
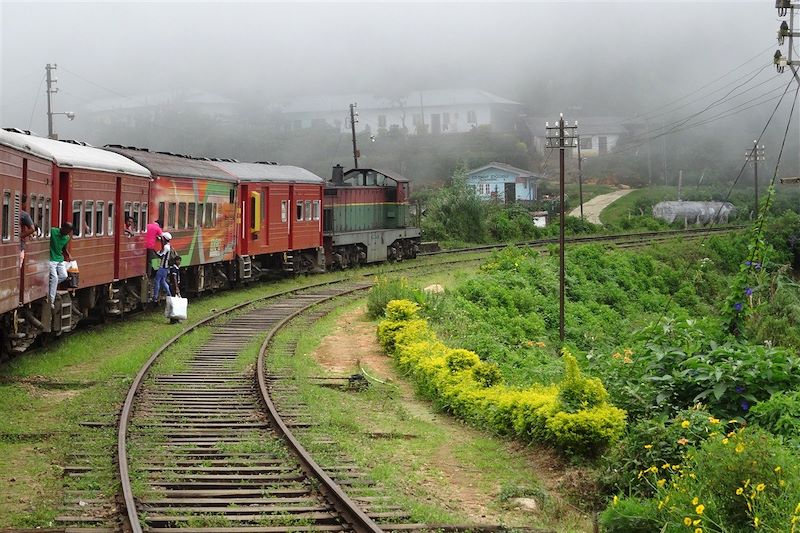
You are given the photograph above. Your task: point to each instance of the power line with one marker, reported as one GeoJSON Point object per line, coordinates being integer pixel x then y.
{"type": "Point", "coordinates": [36, 102]}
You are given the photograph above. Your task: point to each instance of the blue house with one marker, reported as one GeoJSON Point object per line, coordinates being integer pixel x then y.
{"type": "Point", "coordinates": [504, 183]}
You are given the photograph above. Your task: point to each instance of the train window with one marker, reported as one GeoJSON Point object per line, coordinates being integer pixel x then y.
{"type": "Point", "coordinates": [299, 210]}
{"type": "Point", "coordinates": [99, 217]}
{"type": "Point", "coordinates": [191, 214]}
{"type": "Point", "coordinates": [32, 210]}
{"type": "Point", "coordinates": [316, 209]}
{"type": "Point", "coordinates": [110, 220]}
{"type": "Point", "coordinates": [88, 218]}
{"type": "Point", "coordinates": [16, 209]}
{"type": "Point", "coordinates": [171, 215]}
{"type": "Point", "coordinates": [46, 225]}
{"type": "Point", "coordinates": [207, 222]}
{"type": "Point", "coordinates": [134, 214]}
{"type": "Point", "coordinates": [213, 215]}
{"type": "Point", "coordinates": [181, 215]}
{"type": "Point", "coordinates": [143, 217]}
{"type": "Point", "coordinates": [308, 210]}
{"type": "Point", "coordinates": [253, 204]}
{"type": "Point", "coordinates": [371, 178]}
{"type": "Point", "coordinates": [6, 215]}
{"type": "Point", "coordinates": [161, 212]}
{"type": "Point", "coordinates": [77, 218]}
{"type": "Point", "coordinates": [284, 211]}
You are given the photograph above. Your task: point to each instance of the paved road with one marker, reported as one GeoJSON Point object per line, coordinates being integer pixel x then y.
{"type": "Point", "coordinates": [592, 208]}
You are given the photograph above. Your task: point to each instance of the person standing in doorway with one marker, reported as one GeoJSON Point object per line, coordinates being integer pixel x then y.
{"type": "Point", "coordinates": [26, 227]}
{"type": "Point", "coordinates": [153, 232]}
{"type": "Point", "coordinates": [59, 253]}
{"type": "Point", "coordinates": [163, 269]}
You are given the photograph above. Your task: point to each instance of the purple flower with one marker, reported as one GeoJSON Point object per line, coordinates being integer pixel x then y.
{"type": "Point", "coordinates": [740, 389]}
{"type": "Point", "coordinates": [757, 266]}
{"type": "Point", "coordinates": [745, 405]}
{"type": "Point", "coordinates": [748, 263]}
{"type": "Point", "coordinates": [748, 291]}
{"type": "Point", "coordinates": [737, 306]}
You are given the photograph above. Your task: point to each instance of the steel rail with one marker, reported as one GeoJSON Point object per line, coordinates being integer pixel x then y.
{"type": "Point", "coordinates": [350, 511]}
{"type": "Point", "coordinates": [127, 408]}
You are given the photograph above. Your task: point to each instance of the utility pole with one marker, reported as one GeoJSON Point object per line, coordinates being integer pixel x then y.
{"type": "Point", "coordinates": [562, 137]}
{"type": "Point", "coordinates": [785, 30]}
{"type": "Point", "coordinates": [754, 155]}
{"type": "Point", "coordinates": [51, 81]}
{"type": "Point", "coordinates": [580, 175]}
{"type": "Point", "coordinates": [353, 121]}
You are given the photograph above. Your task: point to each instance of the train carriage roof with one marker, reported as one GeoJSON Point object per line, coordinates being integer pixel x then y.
{"type": "Point", "coordinates": [172, 165]}
{"type": "Point", "coordinates": [269, 172]}
{"type": "Point", "coordinates": [67, 154]}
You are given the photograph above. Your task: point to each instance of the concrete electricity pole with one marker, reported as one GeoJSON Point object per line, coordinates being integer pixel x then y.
{"type": "Point", "coordinates": [785, 7]}
{"type": "Point", "coordinates": [562, 137]}
{"type": "Point", "coordinates": [353, 121]}
{"type": "Point", "coordinates": [51, 81]}
{"type": "Point", "coordinates": [580, 175]}
{"type": "Point", "coordinates": [754, 155]}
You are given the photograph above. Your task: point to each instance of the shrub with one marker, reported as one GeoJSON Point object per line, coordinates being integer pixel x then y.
{"type": "Point", "coordinates": [630, 515]}
{"type": "Point", "coordinates": [780, 415]}
{"type": "Point", "coordinates": [388, 289]}
{"type": "Point", "coordinates": [458, 381]}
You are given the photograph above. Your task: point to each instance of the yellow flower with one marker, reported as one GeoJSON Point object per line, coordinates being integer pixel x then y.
{"type": "Point", "coordinates": [616, 499]}
{"type": "Point", "coordinates": [739, 448]}
{"type": "Point", "coordinates": [777, 469]}
{"type": "Point", "coordinates": [739, 491]}
{"type": "Point", "coordinates": [698, 530]}
{"type": "Point", "coordinates": [731, 434]}
{"type": "Point", "coordinates": [696, 522]}
{"type": "Point", "coordinates": [797, 509]}
{"type": "Point", "coordinates": [699, 509]}
{"type": "Point", "coordinates": [756, 521]}
{"type": "Point", "coordinates": [685, 424]}
{"type": "Point", "coordinates": [661, 482]}
{"type": "Point", "coordinates": [683, 441]}
{"type": "Point", "coordinates": [725, 440]}
{"type": "Point", "coordinates": [713, 420]}
{"type": "Point", "coordinates": [665, 466]}
{"type": "Point", "coordinates": [628, 351]}
{"type": "Point", "coordinates": [660, 505]}
{"type": "Point", "coordinates": [696, 500]}
{"type": "Point", "coordinates": [687, 521]}
{"type": "Point", "coordinates": [648, 446]}
{"type": "Point", "coordinates": [781, 482]}
{"type": "Point", "coordinates": [627, 360]}
{"type": "Point", "coordinates": [617, 355]}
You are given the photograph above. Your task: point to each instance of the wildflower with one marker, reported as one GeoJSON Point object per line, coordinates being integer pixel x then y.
{"type": "Point", "coordinates": [683, 441]}
{"type": "Point", "coordinates": [732, 433]}
{"type": "Point", "coordinates": [725, 440]}
{"type": "Point", "coordinates": [748, 263]}
{"type": "Point", "coordinates": [712, 420]}
{"type": "Point", "coordinates": [627, 360]}
{"type": "Point", "coordinates": [698, 530]}
{"type": "Point", "coordinates": [617, 355]}
{"type": "Point", "coordinates": [781, 482]}
{"type": "Point", "coordinates": [777, 469]}
{"type": "Point", "coordinates": [756, 521]}
{"type": "Point", "coordinates": [687, 521]}
{"type": "Point", "coordinates": [540, 344]}
{"type": "Point", "coordinates": [739, 491]}
{"type": "Point", "coordinates": [797, 509]}
{"type": "Point", "coordinates": [696, 500]}
{"type": "Point", "coordinates": [747, 483]}
{"type": "Point", "coordinates": [738, 306]}
{"type": "Point", "coordinates": [745, 405]}
{"type": "Point", "coordinates": [739, 448]}
{"type": "Point", "coordinates": [757, 266]}
{"type": "Point", "coordinates": [660, 504]}
{"type": "Point", "coordinates": [665, 466]}
{"type": "Point", "coordinates": [661, 482]}
{"type": "Point", "coordinates": [739, 389]}
{"type": "Point", "coordinates": [648, 446]}
{"type": "Point", "coordinates": [616, 499]}
{"type": "Point", "coordinates": [628, 352]}
{"type": "Point", "coordinates": [760, 487]}
{"type": "Point", "coordinates": [696, 522]}
{"type": "Point", "coordinates": [692, 475]}
{"type": "Point", "coordinates": [685, 424]}
{"type": "Point", "coordinates": [699, 509]}
{"type": "Point", "coordinates": [748, 291]}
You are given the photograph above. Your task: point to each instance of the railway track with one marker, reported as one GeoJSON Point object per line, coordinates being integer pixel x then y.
{"type": "Point", "coordinates": [205, 448]}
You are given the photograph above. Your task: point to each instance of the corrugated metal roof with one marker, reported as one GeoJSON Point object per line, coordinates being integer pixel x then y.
{"type": "Point", "coordinates": [267, 172]}
{"type": "Point", "coordinates": [503, 166]}
{"type": "Point", "coordinates": [172, 165]}
{"type": "Point", "coordinates": [66, 154]}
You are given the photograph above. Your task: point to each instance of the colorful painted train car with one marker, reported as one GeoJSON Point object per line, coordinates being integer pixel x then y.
{"type": "Point", "coordinates": [367, 218]}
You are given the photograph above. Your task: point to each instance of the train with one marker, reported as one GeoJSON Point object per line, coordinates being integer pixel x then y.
{"type": "Point", "coordinates": [232, 223]}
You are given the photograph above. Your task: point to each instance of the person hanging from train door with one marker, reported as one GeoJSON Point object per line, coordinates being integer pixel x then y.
{"type": "Point", "coordinates": [26, 227]}
{"type": "Point", "coordinates": [161, 281]}
{"type": "Point", "coordinates": [153, 232]}
{"type": "Point", "coordinates": [59, 253]}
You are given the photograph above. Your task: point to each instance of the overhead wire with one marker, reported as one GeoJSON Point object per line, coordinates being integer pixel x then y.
{"type": "Point", "coordinates": [36, 102]}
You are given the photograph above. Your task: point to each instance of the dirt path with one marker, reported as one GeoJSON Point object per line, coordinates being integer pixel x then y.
{"type": "Point", "coordinates": [451, 477]}
{"type": "Point", "coordinates": [592, 208]}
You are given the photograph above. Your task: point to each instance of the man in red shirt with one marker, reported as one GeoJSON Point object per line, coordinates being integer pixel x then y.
{"type": "Point", "coordinates": [152, 234]}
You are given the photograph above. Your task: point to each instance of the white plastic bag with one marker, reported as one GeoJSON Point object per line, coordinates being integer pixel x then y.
{"type": "Point", "coordinates": [176, 308]}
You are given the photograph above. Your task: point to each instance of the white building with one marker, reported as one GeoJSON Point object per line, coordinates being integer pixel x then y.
{"type": "Point", "coordinates": [436, 111]}
{"type": "Point", "coordinates": [598, 135]}
{"type": "Point", "coordinates": [145, 108]}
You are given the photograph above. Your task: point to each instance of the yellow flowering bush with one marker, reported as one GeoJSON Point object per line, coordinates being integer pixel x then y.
{"type": "Point", "coordinates": [573, 415]}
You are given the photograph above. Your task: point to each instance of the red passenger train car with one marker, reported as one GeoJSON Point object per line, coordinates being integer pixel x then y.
{"type": "Point", "coordinates": [64, 182]}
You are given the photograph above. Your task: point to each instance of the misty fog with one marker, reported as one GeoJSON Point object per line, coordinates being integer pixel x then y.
{"type": "Point", "coordinates": [622, 59]}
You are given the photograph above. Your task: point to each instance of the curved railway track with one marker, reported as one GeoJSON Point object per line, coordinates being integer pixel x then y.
{"type": "Point", "coordinates": [205, 448]}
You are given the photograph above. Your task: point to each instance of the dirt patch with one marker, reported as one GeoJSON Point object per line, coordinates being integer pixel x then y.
{"type": "Point", "coordinates": [51, 395]}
